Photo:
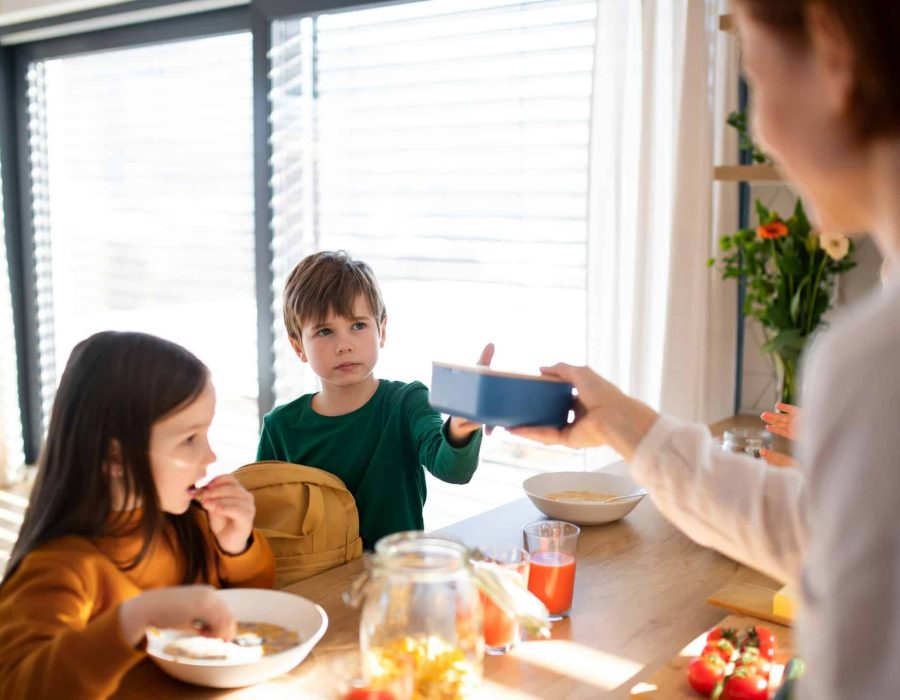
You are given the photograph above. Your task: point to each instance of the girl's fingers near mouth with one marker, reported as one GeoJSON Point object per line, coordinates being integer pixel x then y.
{"type": "Point", "coordinates": [197, 493]}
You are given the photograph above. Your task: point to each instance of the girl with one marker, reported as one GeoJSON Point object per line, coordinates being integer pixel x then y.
{"type": "Point", "coordinates": [113, 540]}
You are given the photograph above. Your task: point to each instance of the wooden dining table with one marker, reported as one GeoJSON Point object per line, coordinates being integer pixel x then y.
{"type": "Point", "coordinates": [640, 595]}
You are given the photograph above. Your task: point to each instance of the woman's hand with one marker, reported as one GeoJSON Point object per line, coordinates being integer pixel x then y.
{"type": "Point", "coordinates": [603, 415]}
{"type": "Point", "coordinates": [784, 423]}
{"type": "Point", "coordinates": [231, 509]}
{"type": "Point", "coordinates": [460, 429]}
{"type": "Point", "coordinates": [176, 606]}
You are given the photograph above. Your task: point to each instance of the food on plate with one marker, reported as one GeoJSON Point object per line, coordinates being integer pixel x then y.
{"type": "Point", "coordinates": [368, 694]}
{"type": "Point", "coordinates": [733, 666]}
{"type": "Point", "coordinates": [763, 639]}
{"type": "Point", "coordinates": [721, 648]}
{"type": "Point", "coordinates": [745, 684]}
{"type": "Point", "coordinates": [580, 496]}
{"type": "Point", "coordinates": [705, 672]}
{"type": "Point", "coordinates": [252, 641]}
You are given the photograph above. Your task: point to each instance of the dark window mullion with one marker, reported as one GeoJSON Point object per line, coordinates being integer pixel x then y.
{"type": "Point", "coordinates": [261, 29]}
{"type": "Point", "coordinates": [17, 216]}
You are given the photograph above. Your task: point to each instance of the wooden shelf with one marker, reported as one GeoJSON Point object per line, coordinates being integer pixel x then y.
{"type": "Point", "coordinates": [726, 23]}
{"type": "Point", "coordinates": [746, 173]}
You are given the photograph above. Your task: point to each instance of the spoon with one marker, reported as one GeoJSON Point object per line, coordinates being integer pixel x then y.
{"type": "Point", "coordinates": [247, 639]}
{"type": "Point", "coordinates": [616, 499]}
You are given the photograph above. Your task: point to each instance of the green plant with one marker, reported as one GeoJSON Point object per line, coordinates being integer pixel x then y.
{"type": "Point", "coordinates": [738, 120]}
{"type": "Point", "coordinates": [789, 272]}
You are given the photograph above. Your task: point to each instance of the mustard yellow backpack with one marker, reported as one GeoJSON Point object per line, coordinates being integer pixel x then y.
{"type": "Point", "coordinates": [308, 516]}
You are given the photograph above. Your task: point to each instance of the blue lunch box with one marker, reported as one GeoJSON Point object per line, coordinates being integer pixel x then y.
{"type": "Point", "coordinates": [499, 398]}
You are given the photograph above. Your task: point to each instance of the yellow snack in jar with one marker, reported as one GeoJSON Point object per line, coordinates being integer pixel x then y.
{"type": "Point", "coordinates": [441, 671]}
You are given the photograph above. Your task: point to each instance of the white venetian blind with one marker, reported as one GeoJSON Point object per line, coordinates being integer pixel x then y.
{"type": "Point", "coordinates": [445, 142]}
{"type": "Point", "coordinates": [143, 189]}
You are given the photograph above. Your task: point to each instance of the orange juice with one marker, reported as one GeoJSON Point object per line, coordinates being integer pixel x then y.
{"type": "Point", "coordinates": [552, 579]}
{"type": "Point", "coordinates": [500, 630]}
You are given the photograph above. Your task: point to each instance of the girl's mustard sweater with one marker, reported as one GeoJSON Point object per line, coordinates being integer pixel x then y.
{"type": "Point", "coordinates": [59, 612]}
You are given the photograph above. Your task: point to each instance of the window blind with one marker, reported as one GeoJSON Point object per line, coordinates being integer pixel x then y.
{"type": "Point", "coordinates": [141, 163]}
{"type": "Point", "coordinates": [445, 142]}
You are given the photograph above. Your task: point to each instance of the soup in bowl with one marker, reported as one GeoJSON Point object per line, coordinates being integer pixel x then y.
{"type": "Point", "coordinates": [276, 631]}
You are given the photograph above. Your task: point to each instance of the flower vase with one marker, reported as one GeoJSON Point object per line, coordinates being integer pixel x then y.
{"type": "Point", "coordinates": [786, 376]}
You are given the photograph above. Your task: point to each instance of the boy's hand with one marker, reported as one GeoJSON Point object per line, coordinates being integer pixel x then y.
{"type": "Point", "coordinates": [461, 429]}
{"type": "Point", "coordinates": [231, 509]}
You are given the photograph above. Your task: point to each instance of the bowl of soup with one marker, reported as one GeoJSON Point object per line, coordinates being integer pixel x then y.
{"type": "Point", "coordinates": [579, 497]}
{"type": "Point", "coordinates": [276, 631]}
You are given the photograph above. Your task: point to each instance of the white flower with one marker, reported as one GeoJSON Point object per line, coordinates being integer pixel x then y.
{"type": "Point", "coordinates": [836, 247]}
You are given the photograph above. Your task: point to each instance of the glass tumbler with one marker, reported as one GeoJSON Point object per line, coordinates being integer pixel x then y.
{"type": "Point", "coordinates": [501, 630]}
{"type": "Point", "coordinates": [552, 545]}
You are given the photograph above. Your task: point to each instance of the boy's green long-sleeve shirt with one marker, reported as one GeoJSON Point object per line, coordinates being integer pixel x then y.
{"type": "Point", "coordinates": [379, 452]}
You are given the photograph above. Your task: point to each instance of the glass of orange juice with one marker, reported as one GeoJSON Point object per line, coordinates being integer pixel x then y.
{"type": "Point", "coordinates": [552, 545]}
{"type": "Point", "coordinates": [501, 632]}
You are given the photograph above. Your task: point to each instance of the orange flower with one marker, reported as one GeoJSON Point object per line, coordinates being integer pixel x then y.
{"type": "Point", "coordinates": [774, 230]}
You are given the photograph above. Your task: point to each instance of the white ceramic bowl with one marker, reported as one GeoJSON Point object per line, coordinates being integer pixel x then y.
{"type": "Point", "coordinates": [250, 605]}
{"type": "Point", "coordinates": [582, 513]}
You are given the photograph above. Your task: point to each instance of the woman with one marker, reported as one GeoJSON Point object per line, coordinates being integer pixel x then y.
{"type": "Point", "coordinates": [825, 79]}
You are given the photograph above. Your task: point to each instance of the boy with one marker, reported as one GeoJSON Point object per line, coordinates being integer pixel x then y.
{"type": "Point", "coordinates": [375, 435]}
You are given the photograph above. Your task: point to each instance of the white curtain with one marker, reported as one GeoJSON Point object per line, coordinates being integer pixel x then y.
{"type": "Point", "coordinates": [655, 311]}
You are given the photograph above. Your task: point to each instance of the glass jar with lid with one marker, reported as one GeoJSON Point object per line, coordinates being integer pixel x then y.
{"type": "Point", "coordinates": [746, 440]}
{"type": "Point", "coordinates": [422, 616]}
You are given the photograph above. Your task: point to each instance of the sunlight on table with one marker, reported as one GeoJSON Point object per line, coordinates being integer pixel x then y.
{"type": "Point", "coordinates": [605, 671]}
{"type": "Point", "coordinates": [490, 689]}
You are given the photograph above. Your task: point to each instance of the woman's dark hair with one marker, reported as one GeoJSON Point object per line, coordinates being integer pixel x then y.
{"type": "Point", "coordinates": [114, 388]}
{"type": "Point", "coordinates": [872, 28]}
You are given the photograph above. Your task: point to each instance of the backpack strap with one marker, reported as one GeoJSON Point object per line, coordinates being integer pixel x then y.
{"type": "Point", "coordinates": [315, 512]}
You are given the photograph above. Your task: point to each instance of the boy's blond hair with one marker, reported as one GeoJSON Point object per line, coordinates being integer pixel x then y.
{"type": "Point", "coordinates": [329, 281]}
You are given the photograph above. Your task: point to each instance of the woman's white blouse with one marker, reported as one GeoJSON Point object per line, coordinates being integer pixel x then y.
{"type": "Point", "coordinates": [833, 527]}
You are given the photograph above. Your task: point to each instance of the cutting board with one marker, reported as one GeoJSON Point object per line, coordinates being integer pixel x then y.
{"type": "Point", "coordinates": [670, 681]}
{"type": "Point", "coordinates": [758, 601]}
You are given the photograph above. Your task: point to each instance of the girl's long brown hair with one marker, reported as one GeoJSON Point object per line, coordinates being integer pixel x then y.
{"type": "Point", "coordinates": [114, 388]}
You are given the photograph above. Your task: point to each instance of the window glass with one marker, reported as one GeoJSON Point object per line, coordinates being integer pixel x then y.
{"type": "Point", "coordinates": [142, 173]}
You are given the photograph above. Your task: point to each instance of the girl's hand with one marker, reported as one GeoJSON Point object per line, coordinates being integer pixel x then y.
{"type": "Point", "coordinates": [461, 428]}
{"type": "Point", "coordinates": [176, 606]}
{"type": "Point", "coordinates": [603, 415]}
{"type": "Point", "coordinates": [784, 423]}
{"type": "Point", "coordinates": [231, 509]}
